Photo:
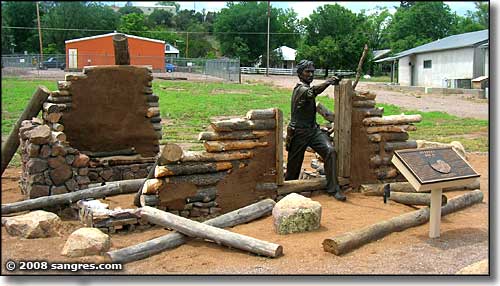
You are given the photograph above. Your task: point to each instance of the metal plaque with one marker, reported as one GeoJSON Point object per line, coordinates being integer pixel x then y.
{"type": "Point", "coordinates": [433, 165]}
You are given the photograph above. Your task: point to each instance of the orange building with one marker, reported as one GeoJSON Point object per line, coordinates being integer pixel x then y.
{"type": "Point", "coordinates": [99, 50]}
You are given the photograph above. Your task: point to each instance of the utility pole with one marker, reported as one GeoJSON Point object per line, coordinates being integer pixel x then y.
{"type": "Point", "coordinates": [268, 25]}
{"type": "Point", "coordinates": [39, 31]}
{"type": "Point", "coordinates": [187, 44]}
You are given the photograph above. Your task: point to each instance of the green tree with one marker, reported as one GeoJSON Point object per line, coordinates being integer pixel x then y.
{"type": "Point", "coordinates": [241, 30]}
{"type": "Point", "coordinates": [169, 3]}
{"type": "Point", "coordinates": [125, 10]}
{"type": "Point", "coordinates": [161, 17]}
{"type": "Point", "coordinates": [376, 24]}
{"type": "Point", "coordinates": [20, 14]}
{"type": "Point", "coordinates": [199, 46]}
{"type": "Point", "coordinates": [77, 19]}
{"type": "Point", "coordinates": [421, 23]}
{"type": "Point", "coordinates": [334, 38]}
{"type": "Point", "coordinates": [183, 19]}
{"type": "Point", "coordinates": [134, 24]}
{"type": "Point", "coordinates": [481, 15]}
{"type": "Point", "coordinates": [289, 24]}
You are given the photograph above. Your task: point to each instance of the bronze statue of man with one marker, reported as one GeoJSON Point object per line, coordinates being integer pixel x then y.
{"type": "Point", "coordinates": [303, 131]}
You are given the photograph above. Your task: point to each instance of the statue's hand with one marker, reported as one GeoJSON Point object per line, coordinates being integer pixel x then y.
{"type": "Point", "coordinates": [333, 80]}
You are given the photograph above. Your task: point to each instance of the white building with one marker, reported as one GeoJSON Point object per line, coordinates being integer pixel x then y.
{"type": "Point", "coordinates": [451, 62]}
{"type": "Point", "coordinates": [288, 60]}
{"type": "Point", "coordinates": [171, 51]}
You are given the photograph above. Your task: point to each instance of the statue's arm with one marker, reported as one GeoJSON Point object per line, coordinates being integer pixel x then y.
{"type": "Point", "coordinates": [318, 89]}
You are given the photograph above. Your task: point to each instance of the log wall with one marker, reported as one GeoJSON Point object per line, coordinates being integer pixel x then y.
{"type": "Point", "coordinates": [70, 146]}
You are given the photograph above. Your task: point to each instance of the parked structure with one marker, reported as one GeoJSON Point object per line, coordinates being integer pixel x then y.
{"type": "Point", "coordinates": [451, 62]}
{"type": "Point", "coordinates": [98, 50]}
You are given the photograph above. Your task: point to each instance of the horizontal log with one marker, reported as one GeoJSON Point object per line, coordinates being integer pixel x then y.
{"type": "Point", "coordinates": [377, 161]}
{"type": "Point", "coordinates": [199, 179]}
{"type": "Point", "coordinates": [220, 236]}
{"type": "Point", "coordinates": [386, 173]}
{"type": "Point", "coordinates": [123, 160]}
{"type": "Point", "coordinates": [363, 103]}
{"type": "Point", "coordinates": [402, 136]}
{"type": "Point", "coordinates": [152, 186]}
{"type": "Point", "coordinates": [153, 104]}
{"type": "Point", "coordinates": [391, 146]}
{"type": "Point", "coordinates": [152, 98]}
{"type": "Point", "coordinates": [60, 99]}
{"type": "Point", "coordinates": [392, 120]}
{"type": "Point", "coordinates": [52, 117]}
{"type": "Point", "coordinates": [57, 127]}
{"type": "Point", "coordinates": [204, 194]}
{"type": "Point", "coordinates": [297, 186]}
{"type": "Point", "coordinates": [243, 124]}
{"type": "Point", "coordinates": [148, 248]}
{"type": "Point", "coordinates": [220, 146]}
{"type": "Point", "coordinates": [405, 187]}
{"type": "Point", "coordinates": [364, 95]}
{"type": "Point", "coordinates": [51, 107]}
{"type": "Point", "coordinates": [327, 114]}
{"type": "Point", "coordinates": [415, 199]}
{"type": "Point", "coordinates": [191, 168]}
{"type": "Point", "coordinates": [152, 112]}
{"type": "Point", "coordinates": [368, 112]}
{"type": "Point", "coordinates": [149, 200]}
{"type": "Point", "coordinates": [110, 189]}
{"type": "Point", "coordinates": [235, 135]}
{"type": "Point", "coordinates": [266, 187]}
{"type": "Point", "coordinates": [123, 152]}
{"type": "Point", "coordinates": [170, 153]}
{"type": "Point", "coordinates": [202, 156]}
{"type": "Point", "coordinates": [390, 128]}
{"type": "Point", "coordinates": [269, 113]}
{"type": "Point", "coordinates": [346, 242]}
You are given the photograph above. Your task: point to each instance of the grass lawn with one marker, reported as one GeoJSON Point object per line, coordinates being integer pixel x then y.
{"type": "Point", "coordinates": [186, 109]}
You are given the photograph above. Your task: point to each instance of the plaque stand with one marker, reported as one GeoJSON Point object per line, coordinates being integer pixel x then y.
{"type": "Point", "coordinates": [432, 169]}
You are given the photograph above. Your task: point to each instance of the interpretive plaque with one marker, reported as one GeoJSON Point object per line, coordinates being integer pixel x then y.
{"type": "Point", "coordinates": [434, 169]}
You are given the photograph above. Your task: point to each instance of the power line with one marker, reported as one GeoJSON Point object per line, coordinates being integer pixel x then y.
{"type": "Point", "coordinates": [177, 32]}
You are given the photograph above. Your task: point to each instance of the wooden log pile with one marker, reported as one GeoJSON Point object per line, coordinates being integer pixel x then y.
{"type": "Point", "coordinates": [94, 213]}
{"type": "Point", "coordinates": [384, 135]}
{"type": "Point", "coordinates": [229, 146]}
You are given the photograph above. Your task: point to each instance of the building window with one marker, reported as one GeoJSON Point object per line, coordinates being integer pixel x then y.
{"type": "Point", "coordinates": [427, 64]}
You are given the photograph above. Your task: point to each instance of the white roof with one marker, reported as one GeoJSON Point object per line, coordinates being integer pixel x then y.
{"type": "Point", "coordinates": [112, 34]}
{"type": "Point", "coordinates": [172, 49]}
{"type": "Point", "coordinates": [288, 53]}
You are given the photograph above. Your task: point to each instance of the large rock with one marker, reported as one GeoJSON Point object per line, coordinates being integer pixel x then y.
{"type": "Point", "coordinates": [86, 241]}
{"type": "Point", "coordinates": [61, 174]}
{"type": "Point", "coordinates": [457, 146]}
{"type": "Point", "coordinates": [33, 225]}
{"type": "Point", "coordinates": [296, 213]}
{"type": "Point", "coordinates": [478, 268]}
{"type": "Point", "coordinates": [40, 135]}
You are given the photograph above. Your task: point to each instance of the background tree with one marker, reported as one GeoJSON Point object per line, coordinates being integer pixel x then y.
{"type": "Point", "coordinates": [125, 10]}
{"type": "Point", "coordinates": [162, 18]}
{"type": "Point", "coordinates": [418, 24]}
{"type": "Point", "coordinates": [169, 3]}
{"type": "Point", "coordinates": [334, 38]}
{"type": "Point", "coordinates": [20, 14]}
{"type": "Point", "coordinates": [134, 24]}
{"type": "Point", "coordinates": [78, 19]}
{"type": "Point", "coordinates": [288, 23]}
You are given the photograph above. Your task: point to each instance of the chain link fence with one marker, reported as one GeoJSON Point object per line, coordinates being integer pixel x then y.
{"type": "Point", "coordinates": [55, 66]}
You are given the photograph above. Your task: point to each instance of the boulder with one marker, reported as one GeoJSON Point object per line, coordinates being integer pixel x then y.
{"type": "Point", "coordinates": [61, 174]}
{"type": "Point", "coordinates": [35, 224]}
{"type": "Point", "coordinates": [296, 213]}
{"type": "Point", "coordinates": [86, 241]}
{"type": "Point", "coordinates": [478, 268]}
{"type": "Point", "coordinates": [40, 135]}
{"type": "Point", "coordinates": [457, 146]}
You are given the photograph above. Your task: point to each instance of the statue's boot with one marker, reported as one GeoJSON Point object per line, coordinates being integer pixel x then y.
{"type": "Point", "coordinates": [332, 185]}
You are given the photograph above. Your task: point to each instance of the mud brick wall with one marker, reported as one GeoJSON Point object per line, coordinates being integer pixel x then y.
{"type": "Point", "coordinates": [101, 126]}
{"type": "Point", "coordinates": [238, 167]}
{"type": "Point", "coordinates": [374, 138]}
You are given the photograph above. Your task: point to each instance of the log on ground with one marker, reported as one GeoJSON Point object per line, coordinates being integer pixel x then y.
{"type": "Point", "coordinates": [34, 106]}
{"type": "Point", "coordinates": [325, 112]}
{"type": "Point", "coordinates": [172, 240]}
{"type": "Point", "coordinates": [170, 153]}
{"type": "Point", "coordinates": [109, 189]}
{"type": "Point", "coordinates": [235, 135]}
{"type": "Point", "coordinates": [346, 242]}
{"type": "Point", "coordinates": [297, 186]}
{"type": "Point", "coordinates": [202, 156]}
{"type": "Point", "coordinates": [191, 168]}
{"type": "Point", "coordinates": [415, 199]}
{"type": "Point", "coordinates": [204, 231]}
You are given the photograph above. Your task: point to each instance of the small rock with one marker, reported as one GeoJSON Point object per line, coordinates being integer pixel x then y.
{"type": "Point", "coordinates": [71, 184]}
{"type": "Point", "coordinates": [58, 150]}
{"type": "Point", "coordinates": [86, 241]}
{"type": "Point", "coordinates": [81, 160]}
{"type": "Point", "coordinates": [296, 213]}
{"type": "Point", "coordinates": [57, 190]}
{"type": "Point", "coordinates": [36, 165]}
{"type": "Point", "coordinates": [82, 180]}
{"type": "Point", "coordinates": [56, 162]}
{"type": "Point", "coordinates": [36, 179]}
{"type": "Point", "coordinates": [93, 176]}
{"type": "Point", "coordinates": [36, 191]}
{"type": "Point", "coordinates": [33, 150]}
{"type": "Point", "coordinates": [107, 174]}
{"type": "Point", "coordinates": [61, 174]}
{"type": "Point", "coordinates": [83, 171]}
{"type": "Point", "coordinates": [456, 145]}
{"type": "Point", "coordinates": [35, 224]}
{"type": "Point", "coordinates": [70, 159]}
{"type": "Point", "coordinates": [45, 151]}
{"type": "Point", "coordinates": [40, 135]}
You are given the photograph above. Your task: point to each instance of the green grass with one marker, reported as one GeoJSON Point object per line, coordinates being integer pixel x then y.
{"type": "Point", "coordinates": [187, 107]}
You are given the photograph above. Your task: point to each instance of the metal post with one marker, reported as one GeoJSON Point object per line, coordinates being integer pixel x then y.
{"type": "Point", "coordinates": [39, 31]}
{"type": "Point", "coordinates": [268, 25]}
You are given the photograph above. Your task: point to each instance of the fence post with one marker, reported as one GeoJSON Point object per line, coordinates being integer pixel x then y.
{"type": "Point", "coordinates": [342, 127]}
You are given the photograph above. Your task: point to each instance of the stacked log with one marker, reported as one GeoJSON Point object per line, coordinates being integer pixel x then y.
{"type": "Point", "coordinates": [229, 145]}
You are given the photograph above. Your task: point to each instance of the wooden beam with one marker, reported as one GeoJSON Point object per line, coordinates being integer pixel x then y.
{"type": "Point", "coordinates": [120, 44]}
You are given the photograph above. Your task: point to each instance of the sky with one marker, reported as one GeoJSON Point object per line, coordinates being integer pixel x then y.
{"type": "Point", "coordinates": [304, 8]}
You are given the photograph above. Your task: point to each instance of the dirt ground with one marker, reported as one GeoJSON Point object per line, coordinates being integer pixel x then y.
{"type": "Point", "coordinates": [463, 241]}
